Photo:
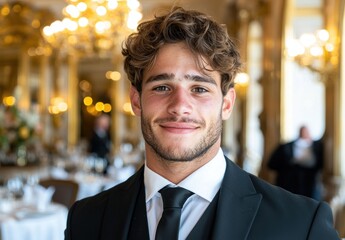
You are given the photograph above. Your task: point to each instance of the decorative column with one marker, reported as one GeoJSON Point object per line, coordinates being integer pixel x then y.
{"type": "Point", "coordinates": [73, 102]}
{"type": "Point", "coordinates": [332, 87]}
{"type": "Point", "coordinates": [271, 81]}
{"type": "Point", "coordinates": [23, 81]}
{"type": "Point", "coordinates": [119, 91]}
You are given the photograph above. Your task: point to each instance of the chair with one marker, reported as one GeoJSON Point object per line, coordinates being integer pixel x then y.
{"type": "Point", "coordinates": [65, 190]}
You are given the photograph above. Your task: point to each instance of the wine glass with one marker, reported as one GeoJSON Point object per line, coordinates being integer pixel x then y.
{"type": "Point", "coordinates": [100, 164]}
{"type": "Point", "coordinates": [16, 186]}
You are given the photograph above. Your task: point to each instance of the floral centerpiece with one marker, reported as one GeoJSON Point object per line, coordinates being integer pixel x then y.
{"type": "Point", "coordinates": [18, 132]}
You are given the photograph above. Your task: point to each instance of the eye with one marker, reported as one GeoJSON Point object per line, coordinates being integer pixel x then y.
{"type": "Point", "coordinates": [161, 88]}
{"type": "Point", "coordinates": [200, 90]}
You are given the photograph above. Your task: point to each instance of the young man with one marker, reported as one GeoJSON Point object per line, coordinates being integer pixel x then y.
{"type": "Point", "coordinates": [182, 67]}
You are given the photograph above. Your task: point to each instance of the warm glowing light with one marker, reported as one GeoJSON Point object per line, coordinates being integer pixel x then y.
{"type": "Point", "coordinates": [9, 101]}
{"type": "Point", "coordinates": [36, 23]}
{"type": "Point", "coordinates": [313, 51]}
{"type": "Point", "coordinates": [113, 75]}
{"type": "Point", "coordinates": [57, 26]}
{"type": "Point", "coordinates": [70, 24]}
{"type": "Point", "coordinates": [133, 4]}
{"type": "Point", "coordinates": [241, 85]}
{"type": "Point", "coordinates": [112, 4]}
{"type": "Point", "coordinates": [99, 106]}
{"type": "Point", "coordinates": [101, 11]}
{"type": "Point", "coordinates": [133, 19]}
{"type": "Point", "coordinates": [53, 110]}
{"type": "Point", "coordinates": [5, 11]}
{"type": "Point", "coordinates": [91, 109]}
{"type": "Point", "coordinates": [87, 101]}
{"type": "Point", "coordinates": [102, 26]}
{"type": "Point", "coordinates": [48, 31]}
{"type": "Point", "coordinates": [308, 40]}
{"type": "Point", "coordinates": [62, 106]}
{"type": "Point", "coordinates": [127, 108]}
{"type": "Point", "coordinates": [242, 79]}
{"type": "Point", "coordinates": [316, 51]}
{"type": "Point", "coordinates": [83, 22]}
{"type": "Point", "coordinates": [72, 11]}
{"type": "Point", "coordinates": [57, 105]}
{"type": "Point", "coordinates": [323, 35]}
{"type": "Point", "coordinates": [24, 132]}
{"type": "Point", "coordinates": [94, 26]}
{"type": "Point", "coordinates": [82, 6]}
{"type": "Point", "coordinates": [107, 108]}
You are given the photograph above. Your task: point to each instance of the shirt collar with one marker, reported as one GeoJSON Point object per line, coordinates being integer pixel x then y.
{"type": "Point", "coordinates": [205, 182]}
{"type": "Point", "coordinates": [303, 143]}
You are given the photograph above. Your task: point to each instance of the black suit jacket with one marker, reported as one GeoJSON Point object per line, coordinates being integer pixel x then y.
{"type": "Point", "coordinates": [248, 208]}
{"type": "Point", "coordinates": [100, 145]}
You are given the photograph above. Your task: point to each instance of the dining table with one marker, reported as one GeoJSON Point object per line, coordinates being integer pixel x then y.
{"type": "Point", "coordinates": [22, 221]}
{"type": "Point", "coordinates": [93, 183]}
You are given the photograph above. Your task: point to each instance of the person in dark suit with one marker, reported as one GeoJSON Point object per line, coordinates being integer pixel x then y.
{"type": "Point", "coordinates": [182, 67]}
{"type": "Point", "coordinates": [100, 142]}
{"type": "Point", "coordinates": [298, 164]}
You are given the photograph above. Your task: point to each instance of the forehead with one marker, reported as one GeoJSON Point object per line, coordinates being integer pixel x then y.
{"type": "Point", "coordinates": [178, 59]}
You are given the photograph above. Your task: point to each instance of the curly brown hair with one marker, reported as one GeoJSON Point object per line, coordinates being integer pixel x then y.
{"type": "Point", "coordinates": [204, 37]}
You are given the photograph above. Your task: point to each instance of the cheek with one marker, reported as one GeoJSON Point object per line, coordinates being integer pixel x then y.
{"type": "Point", "coordinates": [151, 105]}
{"type": "Point", "coordinates": [210, 109]}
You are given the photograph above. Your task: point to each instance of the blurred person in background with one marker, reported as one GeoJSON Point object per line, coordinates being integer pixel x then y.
{"type": "Point", "coordinates": [298, 165]}
{"type": "Point", "coordinates": [100, 142]}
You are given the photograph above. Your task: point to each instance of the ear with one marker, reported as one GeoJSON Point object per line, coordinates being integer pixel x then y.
{"type": "Point", "coordinates": [228, 103]}
{"type": "Point", "coordinates": [135, 101]}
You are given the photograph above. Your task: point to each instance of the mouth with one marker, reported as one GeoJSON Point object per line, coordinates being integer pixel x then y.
{"type": "Point", "coordinates": [179, 127]}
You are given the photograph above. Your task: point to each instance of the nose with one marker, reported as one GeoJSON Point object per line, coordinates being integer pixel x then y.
{"type": "Point", "coordinates": [180, 102]}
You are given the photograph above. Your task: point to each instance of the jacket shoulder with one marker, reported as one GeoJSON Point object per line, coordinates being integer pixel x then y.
{"type": "Point", "coordinates": [283, 210]}
{"type": "Point", "coordinates": [85, 217]}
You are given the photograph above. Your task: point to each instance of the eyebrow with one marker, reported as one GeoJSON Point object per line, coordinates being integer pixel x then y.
{"type": "Point", "coordinates": [196, 78]}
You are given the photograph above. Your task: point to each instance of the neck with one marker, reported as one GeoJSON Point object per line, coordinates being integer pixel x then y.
{"type": "Point", "coordinates": [176, 171]}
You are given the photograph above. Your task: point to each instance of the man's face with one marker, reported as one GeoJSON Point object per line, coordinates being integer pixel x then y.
{"type": "Point", "coordinates": [181, 106]}
{"type": "Point", "coordinates": [304, 133]}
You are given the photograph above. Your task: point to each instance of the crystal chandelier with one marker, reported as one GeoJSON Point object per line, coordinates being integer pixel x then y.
{"type": "Point", "coordinates": [93, 27]}
{"type": "Point", "coordinates": [314, 51]}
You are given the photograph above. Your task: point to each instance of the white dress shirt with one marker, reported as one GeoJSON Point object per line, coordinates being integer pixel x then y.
{"type": "Point", "coordinates": [303, 153]}
{"type": "Point", "coordinates": [205, 183]}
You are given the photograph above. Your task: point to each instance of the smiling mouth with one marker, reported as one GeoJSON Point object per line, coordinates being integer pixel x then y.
{"type": "Point", "coordinates": [179, 127]}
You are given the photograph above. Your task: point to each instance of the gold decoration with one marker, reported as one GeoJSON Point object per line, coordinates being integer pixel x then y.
{"type": "Point", "coordinates": [21, 24]}
{"type": "Point", "coordinates": [316, 51]}
{"type": "Point", "coordinates": [93, 27]}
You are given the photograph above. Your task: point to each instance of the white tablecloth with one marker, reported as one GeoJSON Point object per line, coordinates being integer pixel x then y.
{"type": "Point", "coordinates": [26, 224]}
{"type": "Point", "coordinates": [91, 184]}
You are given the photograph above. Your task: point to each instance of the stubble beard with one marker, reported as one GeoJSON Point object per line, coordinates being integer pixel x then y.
{"type": "Point", "coordinates": [197, 149]}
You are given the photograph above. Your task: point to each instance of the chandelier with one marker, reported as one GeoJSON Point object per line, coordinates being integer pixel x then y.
{"type": "Point", "coordinates": [314, 51]}
{"type": "Point", "coordinates": [93, 27]}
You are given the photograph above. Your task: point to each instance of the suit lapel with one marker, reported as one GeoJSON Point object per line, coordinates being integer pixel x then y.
{"type": "Point", "coordinates": [119, 208]}
{"type": "Point", "coordinates": [237, 206]}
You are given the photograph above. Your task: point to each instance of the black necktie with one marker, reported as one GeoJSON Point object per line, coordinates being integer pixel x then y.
{"type": "Point", "coordinates": [169, 224]}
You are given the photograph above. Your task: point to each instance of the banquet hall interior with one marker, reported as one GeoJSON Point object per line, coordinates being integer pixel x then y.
{"type": "Point", "coordinates": [61, 68]}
